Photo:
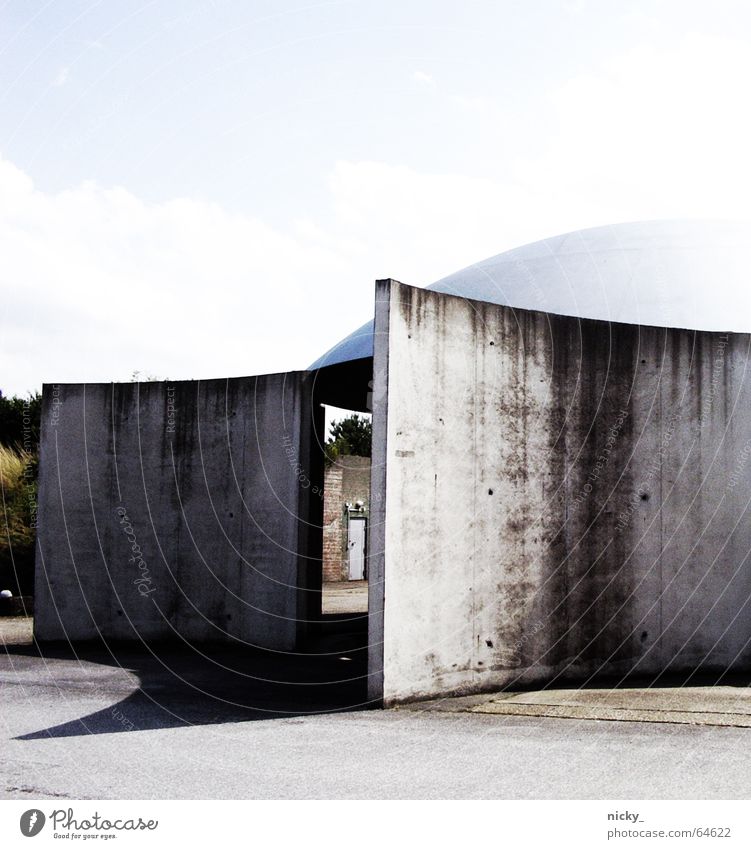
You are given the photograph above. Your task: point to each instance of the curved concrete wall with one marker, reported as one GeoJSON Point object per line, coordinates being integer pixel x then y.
{"type": "Point", "coordinates": [187, 510]}
{"type": "Point", "coordinates": [553, 497]}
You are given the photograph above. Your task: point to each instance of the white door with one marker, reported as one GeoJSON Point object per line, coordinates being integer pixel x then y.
{"type": "Point", "coordinates": [356, 548]}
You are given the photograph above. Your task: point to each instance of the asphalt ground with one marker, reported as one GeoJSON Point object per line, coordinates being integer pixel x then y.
{"type": "Point", "coordinates": [126, 722]}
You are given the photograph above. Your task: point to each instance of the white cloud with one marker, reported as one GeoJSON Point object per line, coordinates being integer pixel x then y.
{"type": "Point", "coordinates": [419, 226]}
{"type": "Point", "coordinates": [575, 7]}
{"type": "Point", "coordinates": [423, 78]}
{"type": "Point", "coordinates": [97, 283]}
{"type": "Point", "coordinates": [61, 78]}
{"type": "Point", "coordinates": [655, 133]}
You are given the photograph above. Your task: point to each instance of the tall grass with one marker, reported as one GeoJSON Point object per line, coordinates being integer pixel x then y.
{"type": "Point", "coordinates": [18, 491]}
{"type": "Point", "coordinates": [12, 464]}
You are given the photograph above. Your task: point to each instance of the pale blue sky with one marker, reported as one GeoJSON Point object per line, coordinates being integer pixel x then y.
{"type": "Point", "coordinates": [217, 184]}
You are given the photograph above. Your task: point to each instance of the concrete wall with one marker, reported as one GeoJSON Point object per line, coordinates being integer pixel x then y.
{"type": "Point", "coordinates": [558, 498]}
{"type": "Point", "coordinates": [347, 480]}
{"type": "Point", "coordinates": [187, 510]}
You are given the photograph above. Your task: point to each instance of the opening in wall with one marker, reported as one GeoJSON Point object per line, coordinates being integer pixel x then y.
{"type": "Point", "coordinates": [346, 507]}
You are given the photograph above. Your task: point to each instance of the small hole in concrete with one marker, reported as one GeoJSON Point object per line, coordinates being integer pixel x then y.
{"type": "Point", "coordinates": [490, 492]}
{"type": "Point", "coordinates": [644, 496]}
{"type": "Point", "coordinates": [644, 361]}
{"type": "Point", "coordinates": [492, 343]}
{"type": "Point", "coordinates": [489, 643]}
{"type": "Point", "coordinates": [643, 636]}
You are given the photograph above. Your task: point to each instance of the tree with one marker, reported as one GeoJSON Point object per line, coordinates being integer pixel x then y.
{"type": "Point", "coordinates": [19, 421]}
{"type": "Point", "coordinates": [19, 458]}
{"type": "Point", "coordinates": [352, 435]}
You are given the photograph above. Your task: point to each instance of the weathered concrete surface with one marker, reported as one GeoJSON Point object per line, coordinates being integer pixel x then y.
{"type": "Point", "coordinates": [562, 497]}
{"type": "Point", "coordinates": [720, 706]}
{"type": "Point", "coordinates": [187, 510]}
{"type": "Point", "coordinates": [378, 479]}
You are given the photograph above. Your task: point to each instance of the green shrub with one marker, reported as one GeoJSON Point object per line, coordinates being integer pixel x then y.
{"type": "Point", "coordinates": [18, 500]}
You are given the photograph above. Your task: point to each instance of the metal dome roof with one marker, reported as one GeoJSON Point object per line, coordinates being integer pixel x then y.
{"type": "Point", "coordinates": [690, 274]}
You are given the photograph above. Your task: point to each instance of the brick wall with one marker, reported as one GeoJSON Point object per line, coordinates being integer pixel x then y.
{"type": "Point", "coordinates": [333, 520]}
{"type": "Point", "coordinates": [346, 480]}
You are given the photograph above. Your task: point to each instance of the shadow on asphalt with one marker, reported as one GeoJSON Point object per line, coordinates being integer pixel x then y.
{"type": "Point", "coordinates": [180, 685]}
{"type": "Point", "coordinates": [200, 685]}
